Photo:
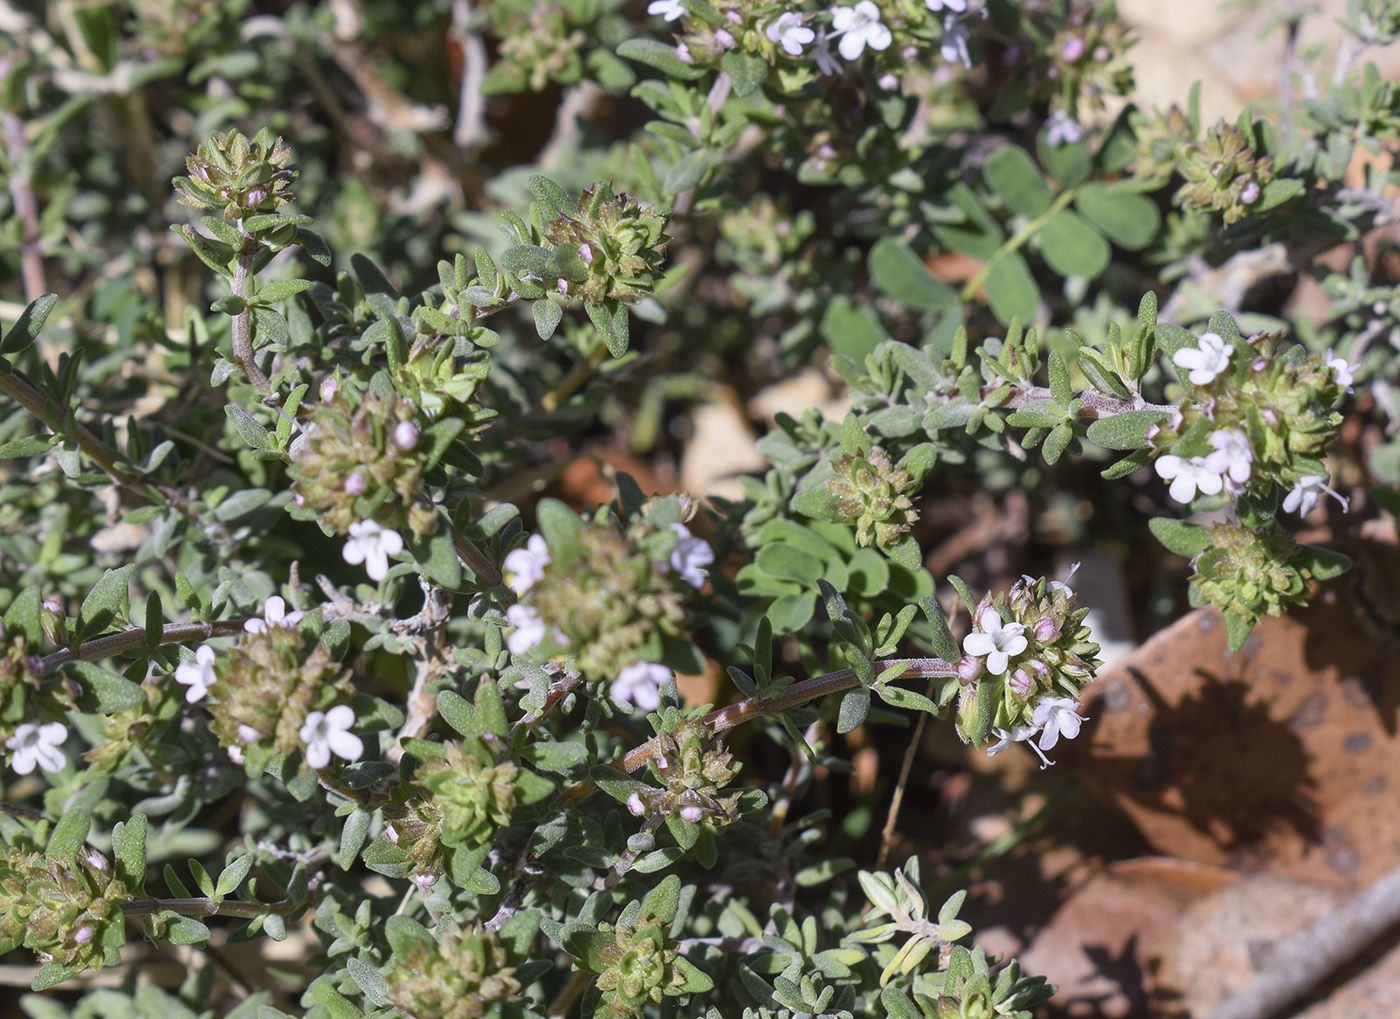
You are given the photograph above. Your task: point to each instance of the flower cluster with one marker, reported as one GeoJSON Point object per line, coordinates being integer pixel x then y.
{"type": "Point", "coordinates": [1083, 65]}
{"type": "Point", "coordinates": [1255, 420]}
{"type": "Point", "coordinates": [1248, 574]}
{"type": "Point", "coordinates": [236, 177]}
{"type": "Point", "coordinates": [610, 598]}
{"type": "Point", "coordinates": [540, 46]}
{"type": "Point", "coordinates": [692, 767]}
{"type": "Point", "coordinates": [271, 695]}
{"type": "Point", "coordinates": [462, 975]}
{"type": "Point", "coordinates": [1025, 662]}
{"type": "Point", "coordinates": [30, 743]}
{"type": "Point", "coordinates": [67, 908]}
{"type": "Point", "coordinates": [362, 465]}
{"type": "Point", "coordinates": [610, 247]}
{"type": "Point", "coordinates": [1222, 172]}
{"type": "Point", "coordinates": [870, 493]}
{"type": "Point", "coordinates": [470, 794]}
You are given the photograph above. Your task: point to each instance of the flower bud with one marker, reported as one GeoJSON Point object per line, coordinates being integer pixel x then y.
{"type": "Point", "coordinates": [585, 254]}
{"type": "Point", "coordinates": [635, 806]}
{"type": "Point", "coordinates": [329, 387]}
{"type": "Point", "coordinates": [355, 484]}
{"type": "Point", "coordinates": [406, 435]}
{"type": "Point", "coordinates": [969, 669]}
{"type": "Point", "coordinates": [1046, 630]}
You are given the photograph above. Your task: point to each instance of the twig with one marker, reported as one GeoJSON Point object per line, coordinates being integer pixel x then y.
{"type": "Point", "coordinates": [243, 321]}
{"type": "Point", "coordinates": [116, 643]}
{"type": "Point", "coordinates": [201, 906]}
{"type": "Point", "coordinates": [887, 834]}
{"type": "Point", "coordinates": [471, 106]}
{"type": "Point", "coordinates": [31, 262]}
{"type": "Point", "coordinates": [479, 564]}
{"type": "Point", "coordinates": [1301, 961]}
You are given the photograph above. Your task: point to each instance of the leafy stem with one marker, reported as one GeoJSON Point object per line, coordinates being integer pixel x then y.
{"type": "Point", "coordinates": [203, 906]}
{"type": "Point", "coordinates": [116, 643]}
{"type": "Point", "coordinates": [243, 321]}
{"type": "Point", "coordinates": [969, 292]}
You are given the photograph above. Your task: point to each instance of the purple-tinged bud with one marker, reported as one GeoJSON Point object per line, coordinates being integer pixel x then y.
{"type": "Point", "coordinates": [254, 198]}
{"type": "Point", "coordinates": [298, 498]}
{"type": "Point", "coordinates": [585, 254]}
{"type": "Point", "coordinates": [910, 52]}
{"type": "Point", "coordinates": [983, 607]}
{"type": "Point", "coordinates": [1101, 53]}
{"type": "Point", "coordinates": [1046, 630]}
{"type": "Point", "coordinates": [406, 435]}
{"type": "Point", "coordinates": [692, 814]}
{"type": "Point", "coordinates": [83, 935]}
{"type": "Point", "coordinates": [562, 285]}
{"type": "Point", "coordinates": [425, 881]}
{"type": "Point", "coordinates": [96, 860]}
{"type": "Point", "coordinates": [969, 669]}
{"type": "Point", "coordinates": [52, 605]}
{"type": "Point", "coordinates": [329, 387]}
{"type": "Point", "coordinates": [888, 82]}
{"type": "Point", "coordinates": [635, 806]}
{"type": "Point", "coordinates": [391, 835]}
{"type": "Point", "coordinates": [662, 764]}
{"type": "Point", "coordinates": [356, 484]}
{"type": "Point", "coordinates": [1020, 683]}
{"type": "Point", "coordinates": [734, 17]}
{"type": "Point", "coordinates": [1249, 194]}
{"type": "Point", "coordinates": [1073, 49]}
{"type": "Point", "coordinates": [724, 41]}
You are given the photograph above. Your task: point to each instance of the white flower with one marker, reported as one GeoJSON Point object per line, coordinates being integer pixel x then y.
{"type": "Point", "coordinates": [953, 48]}
{"type": "Point", "coordinates": [1056, 717]}
{"type": "Point", "coordinates": [640, 684]}
{"type": "Point", "coordinates": [198, 675]}
{"type": "Point", "coordinates": [821, 53]}
{"type": "Point", "coordinates": [1062, 129]}
{"type": "Point", "coordinates": [1020, 734]}
{"type": "Point", "coordinates": [1063, 585]}
{"type": "Point", "coordinates": [997, 641]}
{"type": "Point", "coordinates": [946, 5]}
{"type": "Point", "coordinates": [526, 565]}
{"type": "Point", "coordinates": [327, 733]}
{"type": "Point", "coordinates": [236, 755]}
{"type": "Point", "coordinates": [372, 545]}
{"type": "Point", "coordinates": [529, 629]}
{"type": "Point", "coordinates": [1307, 493]}
{"type": "Point", "coordinates": [690, 556]}
{"type": "Point", "coordinates": [789, 31]}
{"type": "Point", "coordinates": [859, 27]}
{"type": "Point", "coordinates": [274, 614]}
{"type": "Point", "coordinates": [1207, 361]}
{"type": "Point", "coordinates": [1342, 370]}
{"type": "Point", "coordinates": [38, 744]}
{"type": "Point", "coordinates": [670, 10]}
{"type": "Point", "coordinates": [1233, 455]}
{"type": "Point", "coordinates": [1188, 475]}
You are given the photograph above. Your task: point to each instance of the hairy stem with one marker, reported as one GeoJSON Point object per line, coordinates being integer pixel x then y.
{"type": "Point", "coordinates": [243, 321]}
{"type": "Point", "coordinates": [116, 643]}
{"type": "Point", "coordinates": [201, 906]}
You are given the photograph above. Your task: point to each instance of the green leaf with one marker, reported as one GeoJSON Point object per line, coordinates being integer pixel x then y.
{"type": "Point", "coordinates": [1321, 563]}
{"type": "Point", "coordinates": [1178, 536]}
{"type": "Point", "coordinates": [105, 604]}
{"type": "Point", "coordinates": [369, 980]}
{"type": "Point", "coordinates": [271, 293]}
{"type": "Point", "coordinates": [748, 72]}
{"type": "Point", "coordinates": [1237, 629]}
{"type": "Point", "coordinates": [1072, 247]}
{"type": "Point", "coordinates": [252, 431]}
{"type": "Point", "coordinates": [663, 901]}
{"type": "Point", "coordinates": [69, 834]}
{"type": "Point", "coordinates": [944, 646]}
{"type": "Point", "coordinates": [610, 319]}
{"type": "Point", "coordinates": [129, 847]}
{"type": "Point", "coordinates": [233, 875]}
{"type": "Point", "coordinates": [184, 930]}
{"type": "Point", "coordinates": [30, 445]}
{"type": "Point", "coordinates": [851, 329]}
{"type": "Point", "coordinates": [1130, 220]}
{"type": "Point", "coordinates": [561, 529]}
{"type": "Point", "coordinates": [1124, 431]}
{"type": "Point", "coordinates": [907, 700]}
{"type": "Point", "coordinates": [657, 54]}
{"type": "Point", "coordinates": [547, 315]}
{"type": "Point", "coordinates": [1056, 442]}
{"type": "Point", "coordinates": [1011, 289]}
{"type": "Point", "coordinates": [1130, 463]}
{"type": "Point", "coordinates": [458, 712]}
{"type": "Point", "coordinates": [900, 274]}
{"type": "Point", "coordinates": [1275, 193]}
{"type": "Point", "coordinates": [526, 260]}
{"type": "Point", "coordinates": [29, 324]}
{"type": "Point", "coordinates": [1068, 164]}
{"type": "Point", "coordinates": [552, 198]}
{"type": "Point", "coordinates": [1014, 176]}
{"type": "Point", "coordinates": [315, 246]}
{"type": "Point", "coordinates": [690, 170]}
{"type": "Point", "coordinates": [854, 707]}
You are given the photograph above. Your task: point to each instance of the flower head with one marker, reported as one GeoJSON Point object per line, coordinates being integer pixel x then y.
{"type": "Point", "coordinates": [669, 10]}
{"type": "Point", "coordinates": [327, 733]}
{"type": "Point", "coordinates": [38, 744]}
{"type": "Point", "coordinates": [859, 27]}
{"type": "Point", "coordinates": [1341, 370]}
{"type": "Point", "coordinates": [690, 556]}
{"type": "Point", "coordinates": [1233, 455]}
{"type": "Point", "coordinates": [198, 675]}
{"type": "Point", "coordinates": [1056, 717]}
{"type": "Point", "coordinates": [998, 641]}
{"type": "Point", "coordinates": [529, 629]}
{"type": "Point", "coordinates": [526, 565]}
{"type": "Point", "coordinates": [1308, 492]}
{"type": "Point", "coordinates": [1187, 476]}
{"type": "Point", "coordinates": [953, 47]}
{"type": "Point", "coordinates": [789, 32]}
{"type": "Point", "coordinates": [274, 614]}
{"type": "Point", "coordinates": [640, 684]}
{"type": "Point", "coordinates": [1062, 129]}
{"type": "Point", "coordinates": [827, 63]}
{"type": "Point", "coordinates": [372, 545]}
{"type": "Point", "coordinates": [1206, 361]}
